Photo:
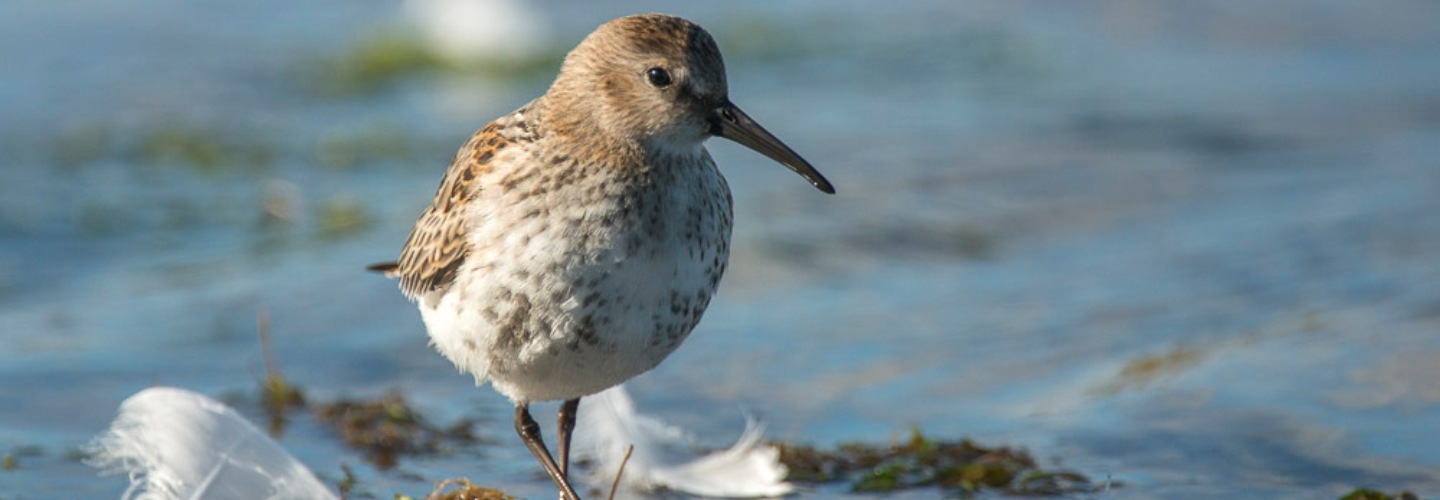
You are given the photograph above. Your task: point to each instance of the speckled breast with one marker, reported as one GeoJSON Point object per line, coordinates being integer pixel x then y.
{"type": "Point", "coordinates": [599, 278]}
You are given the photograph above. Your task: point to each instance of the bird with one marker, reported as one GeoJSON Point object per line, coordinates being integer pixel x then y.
{"type": "Point", "coordinates": [574, 243]}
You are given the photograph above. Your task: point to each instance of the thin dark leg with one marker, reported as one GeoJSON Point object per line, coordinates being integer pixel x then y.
{"type": "Point", "coordinates": [530, 432]}
{"type": "Point", "coordinates": [566, 421]}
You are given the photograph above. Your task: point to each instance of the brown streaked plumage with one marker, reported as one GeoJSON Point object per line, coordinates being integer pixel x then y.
{"type": "Point", "coordinates": [576, 242]}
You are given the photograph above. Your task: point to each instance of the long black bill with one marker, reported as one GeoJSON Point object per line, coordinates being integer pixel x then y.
{"type": "Point", "coordinates": [733, 124]}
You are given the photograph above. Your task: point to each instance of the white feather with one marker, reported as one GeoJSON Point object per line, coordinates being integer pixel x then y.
{"type": "Point", "coordinates": [176, 444]}
{"type": "Point", "coordinates": [609, 425]}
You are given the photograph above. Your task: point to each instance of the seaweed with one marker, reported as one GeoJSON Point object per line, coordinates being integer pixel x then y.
{"type": "Point", "coordinates": [387, 428]}
{"type": "Point", "coordinates": [1369, 494]}
{"type": "Point", "coordinates": [960, 466]}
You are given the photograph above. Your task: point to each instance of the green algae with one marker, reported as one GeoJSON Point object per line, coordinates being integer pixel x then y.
{"type": "Point", "coordinates": [203, 149]}
{"type": "Point", "coordinates": [960, 466]}
{"type": "Point", "coordinates": [376, 62]}
{"type": "Point", "coordinates": [342, 216]}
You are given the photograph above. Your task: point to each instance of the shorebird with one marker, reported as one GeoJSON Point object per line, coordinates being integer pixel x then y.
{"type": "Point", "coordinates": [574, 243]}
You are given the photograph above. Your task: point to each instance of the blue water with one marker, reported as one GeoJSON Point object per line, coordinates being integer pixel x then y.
{"type": "Point", "coordinates": [1031, 197]}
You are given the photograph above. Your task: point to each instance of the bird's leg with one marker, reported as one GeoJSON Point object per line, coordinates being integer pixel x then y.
{"type": "Point", "coordinates": [566, 423]}
{"type": "Point", "coordinates": [530, 432]}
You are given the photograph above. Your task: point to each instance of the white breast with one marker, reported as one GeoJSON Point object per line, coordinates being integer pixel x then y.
{"type": "Point", "coordinates": [573, 287]}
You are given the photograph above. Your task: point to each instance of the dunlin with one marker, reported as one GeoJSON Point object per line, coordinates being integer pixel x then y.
{"type": "Point", "coordinates": [574, 243]}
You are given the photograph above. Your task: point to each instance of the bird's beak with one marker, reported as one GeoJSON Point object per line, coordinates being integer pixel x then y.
{"type": "Point", "coordinates": [731, 123]}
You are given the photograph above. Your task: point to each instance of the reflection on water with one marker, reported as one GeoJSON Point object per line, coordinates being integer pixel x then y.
{"type": "Point", "coordinates": [1193, 247]}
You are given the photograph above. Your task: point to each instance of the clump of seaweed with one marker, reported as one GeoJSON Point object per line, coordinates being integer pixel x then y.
{"type": "Point", "coordinates": [463, 489]}
{"type": "Point", "coordinates": [387, 428]}
{"type": "Point", "coordinates": [920, 462]}
{"type": "Point", "coordinates": [1369, 494]}
{"type": "Point", "coordinates": [375, 62]}
{"type": "Point", "coordinates": [277, 395]}
{"type": "Point", "coordinates": [207, 149]}
{"type": "Point", "coordinates": [341, 216]}
{"type": "Point", "coordinates": [346, 148]}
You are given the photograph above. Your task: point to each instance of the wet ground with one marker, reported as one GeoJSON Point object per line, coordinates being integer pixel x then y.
{"type": "Point", "coordinates": [1192, 248]}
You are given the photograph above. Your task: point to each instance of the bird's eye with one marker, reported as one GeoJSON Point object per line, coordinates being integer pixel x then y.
{"type": "Point", "coordinates": [658, 77]}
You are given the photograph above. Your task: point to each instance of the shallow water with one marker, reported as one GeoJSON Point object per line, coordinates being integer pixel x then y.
{"type": "Point", "coordinates": [1192, 248]}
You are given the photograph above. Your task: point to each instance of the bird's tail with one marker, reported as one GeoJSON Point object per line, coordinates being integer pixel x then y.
{"type": "Point", "coordinates": [389, 269]}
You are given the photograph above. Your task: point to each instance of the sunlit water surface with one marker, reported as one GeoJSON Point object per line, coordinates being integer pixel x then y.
{"type": "Point", "coordinates": [1194, 248]}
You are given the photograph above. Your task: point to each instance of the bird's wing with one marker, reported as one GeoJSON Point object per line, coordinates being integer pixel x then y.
{"type": "Point", "coordinates": [436, 247]}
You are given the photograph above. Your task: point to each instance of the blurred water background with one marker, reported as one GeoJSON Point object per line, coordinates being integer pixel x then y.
{"type": "Point", "coordinates": [1190, 246]}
